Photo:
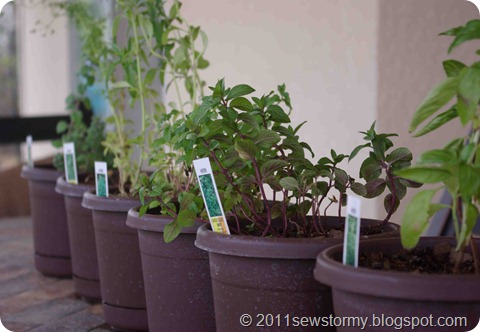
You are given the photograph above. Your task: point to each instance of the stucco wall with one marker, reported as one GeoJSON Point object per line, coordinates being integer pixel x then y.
{"type": "Point", "coordinates": [410, 64]}
{"type": "Point", "coordinates": [324, 51]}
{"type": "Point", "coordinates": [43, 66]}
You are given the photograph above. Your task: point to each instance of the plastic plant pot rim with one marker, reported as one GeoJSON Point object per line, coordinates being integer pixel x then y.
{"type": "Point", "coordinates": [111, 203]}
{"type": "Point", "coordinates": [44, 174]}
{"type": "Point", "coordinates": [391, 284]}
{"type": "Point", "coordinates": [260, 247]}
{"type": "Point", "coordinates": [155, 223]}
{"type": "Point", "coordinates": [72, 190]}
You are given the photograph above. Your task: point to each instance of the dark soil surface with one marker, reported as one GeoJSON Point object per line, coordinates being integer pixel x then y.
{"type": "Point", "coordinates": [437, 260]}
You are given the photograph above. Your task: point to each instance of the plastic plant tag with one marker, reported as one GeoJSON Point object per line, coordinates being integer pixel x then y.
{"type": "Point", "coordinates": [70, 162]}
{"type": "Point", "coordinates": [101, 178]}
{"type": "Point", "coordinates": [203, 169]}
{"type": "Point", "coordinates": [29, 151]}
{"type": "Point", "coordinates": [352, 232]}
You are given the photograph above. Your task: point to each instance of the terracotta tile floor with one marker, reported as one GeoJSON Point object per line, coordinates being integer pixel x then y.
{"type": "Point", "coordinates": [30, 301]}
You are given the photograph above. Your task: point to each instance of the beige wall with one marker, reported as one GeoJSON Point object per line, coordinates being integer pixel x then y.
{"type": "Point", "coordinates": [410, 64]}
{"type": "Point", "coordinates": [324, 51]}
{"type": "Point", "coordinates": [43, 66]}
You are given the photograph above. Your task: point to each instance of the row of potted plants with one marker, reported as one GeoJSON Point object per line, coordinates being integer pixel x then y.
{"type": "Point", "coordinates": [275, 198]}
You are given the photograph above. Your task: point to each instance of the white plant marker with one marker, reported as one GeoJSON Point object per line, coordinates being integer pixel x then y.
{"type": "Point", "coordinates": [70, 162]}
{"type": "Point", "coordinates": [352, 231]}
{"type": "Point", "coordinates": [205, 178]}
{"type": "Point", "coordinates": [29, 151]}
{"type": "Point", "coordinates": [101, 178]}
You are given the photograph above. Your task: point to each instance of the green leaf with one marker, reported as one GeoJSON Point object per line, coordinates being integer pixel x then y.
{"type": "Point", "coordinates": [61, 127]}
{"type": "Point", "coordinates": [171, 231]}
{"type": "Point", "coordinates": [400, 154]}
{"type": "Point", "coordinates": [289, 183]}
{"type": "Point", "coordinates": [242, 103]}
{"type": "Point", "coordinates": [359, 189]}
{"type": "Point", "coordinates": [469, 181]}
{"type": "Point", "coordinates": [470, 31]}
{"type": "Point", "coordinates": [453, 67]}
{"type": "Point", "coordinates": [143, 210]}
{"type": "Point", "coordinates": [437, 157]}
{"type": "Point", "coordinates": [415, 218]}
{"type": "Point", "coordinates": [186, 218]}
{"type": "Point", "coordinates": [389, 204]}
{"type": "Point", "coordinates": [277, 114]}
{"type": "Point", "coordinates": [120, 85]}
{"type": "Point", "coordinates": [271, 166]}
{"type": "Point", "coordinates": [370, 169]}
{"type": "Point", "coordinates": [436, 99]}
{"type": "Point", "coordinates": [424, 174]}
{"type": "Point", "coordinates": [469, 95]}
{"type": "Point", "coordinates": [357, 150]}
{"type": "Point", "coordinates": [470, 220]}
{"type": "Point", "coordinates": [150, 76]}
{"type": "Point", "coordinates": [375, 187]}
{"type": "Point", "coordinates": [249, 119]}
{"type": "Point", "coordinates": [246, 149]}
{"type": "Point", "coordinates": [266, 138]}
{"type": "Point", "coordinates": [239, 90]}
{"type": "Point", "coordinates": [341, 176]}
{"type": "Point", "coordinates": [438, 121]}
{"type": "Point", "coordinates": [186, 200]}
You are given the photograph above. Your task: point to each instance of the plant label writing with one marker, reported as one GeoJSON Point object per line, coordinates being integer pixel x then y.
{"type": "Point", "coordinates": [29, 151]}
{"type": "Point", "coordinates": [70, 162]}
{"type": "Point", "coordinates": [203, 169]}
{"type": "Point", "coordinates": [352, 232]}
{"type": "Point", "coordinates": [101, 178]}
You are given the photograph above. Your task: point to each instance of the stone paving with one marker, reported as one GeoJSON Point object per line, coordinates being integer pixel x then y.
{"type": "Point", "coordinates": [30, 301]}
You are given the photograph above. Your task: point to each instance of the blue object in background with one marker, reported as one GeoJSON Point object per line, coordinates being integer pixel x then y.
{"type": "Point", "coordinates": [97, 95]}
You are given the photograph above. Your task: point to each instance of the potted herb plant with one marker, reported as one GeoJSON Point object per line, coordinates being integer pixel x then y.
{"type": "Point", "coordinates": [266, 265]}
{"type": "Point", "coordinates": [88, 148]}
{"type": "Point", "coordinates": [433, 279]}
{"type": "Point", "coordinates": [142, 63]}
{"type": "Point", "coordinates": [87, 133]}
{"type": "Point", "coordinates": [176, 275]}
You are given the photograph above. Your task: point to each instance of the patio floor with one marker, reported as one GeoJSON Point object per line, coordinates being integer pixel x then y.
{"type": "Point", "coordinates": [30, 301]}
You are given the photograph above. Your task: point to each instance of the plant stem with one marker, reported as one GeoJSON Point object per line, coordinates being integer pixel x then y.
{"type": "Point", "coordinates": [476, 259]}
{"type": "Point", "coordinates": [142, 102]}
{"type": "Point", "coordinates": [264, 196]}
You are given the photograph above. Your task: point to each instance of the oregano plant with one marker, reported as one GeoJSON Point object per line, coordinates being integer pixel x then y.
{"type": "Point", "coordinates": [378, 170]}
{"type": "Point", "coordinates": [265, 177]}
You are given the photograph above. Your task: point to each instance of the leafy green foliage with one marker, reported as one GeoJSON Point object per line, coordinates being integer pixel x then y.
{"type": "Point", "coordinates": [255, 150]}
{"type": "Point", "coordinates": [379, 167]}
{"type": "Point", "coordinates": [456, 167]}
{"type": "Point", "coordinates": [177, 49]}
{"type": "Point", "coordinates": [159, 42]}
{"type": "Point", "coordinates": [88, 142]}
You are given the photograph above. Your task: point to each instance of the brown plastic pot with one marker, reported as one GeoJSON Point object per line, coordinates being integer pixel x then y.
{"type": "Point", "coordinates": [258, 276]}
{"type": "Point", "coordinates": [82, 239]}
{"type": "Point", "coordinates": [119, 262]}
{"type": "Point", "coordinates": [384, 296]}
{"type": "Point", "coordinates": [49, 220]}
{"type": "Point", "coordinates": [177, 280]}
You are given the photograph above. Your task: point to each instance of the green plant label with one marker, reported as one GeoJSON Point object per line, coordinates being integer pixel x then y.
{"type": "Point", "coordinates": [29, 151]}
{"type": "Point", "coordinates": [352, 232]}
{"type": "Point", "coordinates": [101, 178]}
{"type": "Point", "coordinates": [203, 169]}
{"type": "Point", "coordinates": [70, 162]}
